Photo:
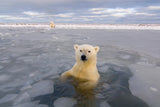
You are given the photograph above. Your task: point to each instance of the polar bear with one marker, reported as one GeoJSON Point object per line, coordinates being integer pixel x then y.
{"type": "Point", "coordinates": [52, 25]}
{"type": "Point", "coordinates": [84, 71]}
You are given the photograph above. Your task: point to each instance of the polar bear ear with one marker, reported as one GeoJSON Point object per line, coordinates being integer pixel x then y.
{"type": "Point", "coordinates": [75, 47]}
{"type": "Point", "coordinates": [96, 48]}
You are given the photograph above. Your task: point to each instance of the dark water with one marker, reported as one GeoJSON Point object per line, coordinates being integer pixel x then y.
{"type": "Point", "coordinates": [113, 88]}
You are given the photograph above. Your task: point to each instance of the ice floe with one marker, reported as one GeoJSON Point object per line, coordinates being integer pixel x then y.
{"type": "Point", "coordinates": [41, 88]}
{"type": "Point", "coordinates": [64, 102]}
{"type": "Point", "coordinates": [104, 104]}
{"type": "Point", "coordinates": [4, 77]}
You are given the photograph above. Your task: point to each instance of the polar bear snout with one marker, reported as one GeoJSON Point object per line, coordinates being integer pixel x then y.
{"type": "Point", "coordinates": [83, 58]}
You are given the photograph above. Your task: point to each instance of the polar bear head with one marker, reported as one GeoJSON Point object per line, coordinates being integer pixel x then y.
{"type": "Point", "coordinates": [86, 53]}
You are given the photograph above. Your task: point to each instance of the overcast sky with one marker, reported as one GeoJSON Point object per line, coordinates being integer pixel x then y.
{"type": "Point", "coordinates": [80, 11]}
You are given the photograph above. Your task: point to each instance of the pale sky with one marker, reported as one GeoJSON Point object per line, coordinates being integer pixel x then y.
{"type": "Point", "coordinates": [80, 11]}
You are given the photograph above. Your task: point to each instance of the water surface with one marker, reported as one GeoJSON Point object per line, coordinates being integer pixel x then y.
{"type": "Point", "coordinates": [32, 59]}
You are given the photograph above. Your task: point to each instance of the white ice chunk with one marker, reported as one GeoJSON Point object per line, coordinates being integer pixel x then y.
{"type": "Point", "coordinates": [12, 44]}
{"type": "Point", "coordinates": [7, 98]}
{"type": "Point", "coordinates": [56, 38]}
{"type": "Point", "coordinates": [103, 69]}
{"type": "Point", "coordinates": [64, 102]}
{"type": "Point", "coordinates": [106, 86]}
{"type": "Point", "coordinates": [104, 104]}
{"type": "Point", "coordinates": [31, 75]}
{"type": "Point", "coordinates": [2, 48]}
{"type": "Point", "coordinates": [4, 77]}
{"type": "Point", "coordinates": [41, 88]}
{"type": "Point", "coordinates": [58, 49]}
{"type": "Point", "coordinates": [27, 59]}
{"type": "Point", "coordinates": [144, 61]}
{"type": "Point", "coordinates": [125, 56]}
{"type": "Point", "coordinates": [99, 96]}
{"type": "Point", "coordinates": [1, 34]}
{"type": "Point", "coordinates": [29, 104]}
{"type": "Point", "coordinates": [153, 89]}
{"type": "Point", "coordinates": [7, 34]}
{"type": "Point", "coordinates": [5, 60]}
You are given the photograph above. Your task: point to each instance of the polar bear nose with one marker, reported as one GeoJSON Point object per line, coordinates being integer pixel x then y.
{"type": "Point", "coordinates": [83, 58]}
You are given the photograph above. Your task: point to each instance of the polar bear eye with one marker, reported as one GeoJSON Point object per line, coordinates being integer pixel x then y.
{"type": "Point", "coordinates": [89, 51]}
{"type": "Point", "coordinates": [80, 50]}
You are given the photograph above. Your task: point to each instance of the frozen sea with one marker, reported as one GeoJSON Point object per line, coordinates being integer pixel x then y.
{"type": "Point", "coordinates": [32, 59]}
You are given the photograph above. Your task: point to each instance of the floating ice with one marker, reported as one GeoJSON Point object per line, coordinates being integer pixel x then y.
{"type": "Point", "coordinates": [106, 86]}
{"type": "Point", "coordinates": [22, 98]}
{"type": "Point", "coordinates": [125, 56]}
{"type": "Point", "coordinates": [141, 84]}
{"type": "Point", "coordinates": [153, 89]}
{"type": "Point", "coordinates": [13, 44]}
{"type": "Point", "coordinates": [4, 77]}
{"type": "Point", "coordinates": [27, 59]}
{"type": "Point", "coordinates": [58, 49]}
{"type": "Point", "coordinates": [64, 102]}
{"type": "Point", "coordinates": [2, 48]}
{"type": "Point", "coordinates": [103, 68]}
{"type": "Point", "coordinates": [26, 87]}
{"type": "Point", "coordinates": [44, 52]}
{"type": "Point", "coordinates": [41, 88]}
{"type": "Point", "coordinates": [99, 96]}
{"type": "Point", "coordinates": [56, 38]}
{"type": "Point", "coordinates": [104, 104]}
{"type": "Point", "coordinates": [16, 82]}
{"type": "Point", "coordinates": [17, 69]}
{"type": "Point", "coordinates": [144, 63]}
{"type": "Point", "coordinates": [7, 34]}
{"type": "Point", "coordinates": [5, 60]}
{"type": "Point", "coordinates": [29, 104]}
{"type": "Point", "coordinates": [7, 98]}
{"type": "Point", "coordinates": [31, 75]}
{"type": "Point", "coordinates": [1, 67]}
{"type": "Point", "coordinates": [1, 34]}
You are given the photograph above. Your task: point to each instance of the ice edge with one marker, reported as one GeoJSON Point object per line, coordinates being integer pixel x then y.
{"type": "Point", "coordinates": [88, 26]}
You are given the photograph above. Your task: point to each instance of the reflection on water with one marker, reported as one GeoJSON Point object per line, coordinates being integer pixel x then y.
{"type": "Point", "coordinates": [113, 88]}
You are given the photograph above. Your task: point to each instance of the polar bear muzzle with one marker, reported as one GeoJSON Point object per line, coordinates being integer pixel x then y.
{"type": "Point", "coordinates": [83, 58]}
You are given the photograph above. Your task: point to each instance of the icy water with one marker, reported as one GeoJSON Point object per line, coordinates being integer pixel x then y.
{"type": "Point", "coordinates": [32, 59]}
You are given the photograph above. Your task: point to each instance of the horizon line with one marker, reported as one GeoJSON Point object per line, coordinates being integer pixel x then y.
{"type": "Point", "coordinates": [139, 24]}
